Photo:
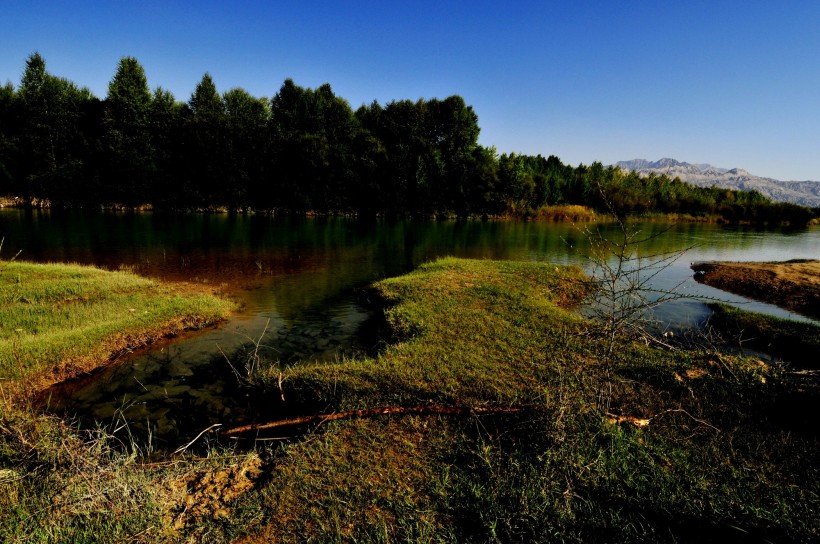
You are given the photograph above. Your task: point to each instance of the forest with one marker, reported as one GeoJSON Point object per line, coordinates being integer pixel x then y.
{"type": "Point", "coordinates": [303, 150]}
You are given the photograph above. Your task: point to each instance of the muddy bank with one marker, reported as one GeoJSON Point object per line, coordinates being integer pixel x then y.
{"type": "Point", "coordinates": [794, 285]}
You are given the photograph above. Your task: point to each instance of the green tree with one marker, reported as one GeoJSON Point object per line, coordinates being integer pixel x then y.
{"type": "Point", "coordinates": [52, 135]}
{"type": "Point", "coordinates": [206, 147]}
{"type": "Point", "coordinates": [518, 187]}
{"type": "Point", "coordinates": [36, 137]}
{"type": "Point", "coordinates": [129, 150]}
{"type": "Point", "coordinates": [482, 195]}
{"type": "Point", "coordinates": [337, 131]}
{"type": "Point", "coordinates": [312, 134]}
{"type": "Point", "coordinates": [369, 192]}
{"type": "Point", "coordinates": [8, 148]}
{"type": "Point", "coordinates": [290, 123]}
{"type": "Point", "coordinates": [205, 103]}
{"type": "Point", "coordinates": [366, 191]}
{"type": "Point", "coordinates": [409, 163]}
{"type": "Point", "coordinates": [165, 122]}
{"type": "Point", "coordinates": [246, 121]}
{"type": "Point", "coordinates": [451, 137]}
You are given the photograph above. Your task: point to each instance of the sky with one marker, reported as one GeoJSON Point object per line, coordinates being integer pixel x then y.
{"type": "Point", "coordinates": [730, 83]}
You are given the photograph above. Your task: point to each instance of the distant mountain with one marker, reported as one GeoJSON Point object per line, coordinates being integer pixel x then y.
{"type": "Point", "coordinates": [805, 193]}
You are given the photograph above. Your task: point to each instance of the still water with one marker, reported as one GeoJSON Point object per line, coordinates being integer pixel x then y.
{"type": "Point", "coordinates": [296, 279]}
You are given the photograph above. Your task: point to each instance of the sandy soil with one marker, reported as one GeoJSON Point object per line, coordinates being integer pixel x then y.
{"type": "Point", "coordinates": [794, 285]}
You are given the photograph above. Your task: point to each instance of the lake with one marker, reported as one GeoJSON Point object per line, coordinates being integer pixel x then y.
{"type": "Point", "coordinates": [297, 279]}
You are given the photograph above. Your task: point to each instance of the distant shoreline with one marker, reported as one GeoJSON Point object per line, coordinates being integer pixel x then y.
{"type": "Point", "coordinates": [557, 213]}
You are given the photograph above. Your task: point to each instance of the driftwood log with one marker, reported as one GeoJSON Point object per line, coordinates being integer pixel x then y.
{"type": "Point", "coordinates": [423, 409]}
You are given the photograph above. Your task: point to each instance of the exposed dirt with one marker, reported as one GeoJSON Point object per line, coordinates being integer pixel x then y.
{"type": "Point", "coordinates": [794, 285]}
{"type": "Point", "coordinates": [204, 494]}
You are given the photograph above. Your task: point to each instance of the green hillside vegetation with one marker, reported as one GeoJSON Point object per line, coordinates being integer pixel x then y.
{"type": "Point", "coordinates": [305, 150]}
{"type": "Point", "coordinates": [686, 445]}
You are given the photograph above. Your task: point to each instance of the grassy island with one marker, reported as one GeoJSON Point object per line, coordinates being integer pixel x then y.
{"type": "Point", "coordinates": [494, 413]}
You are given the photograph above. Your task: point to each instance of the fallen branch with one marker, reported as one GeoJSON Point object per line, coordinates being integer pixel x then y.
{"type": "Point", "coordinates": [424, 409]}
{"type": "Point", "coordinates": [188, 445]}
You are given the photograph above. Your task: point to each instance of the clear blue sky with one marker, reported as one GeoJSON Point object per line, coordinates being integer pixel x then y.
{"type": "Point", "coordinates": [734, 84]}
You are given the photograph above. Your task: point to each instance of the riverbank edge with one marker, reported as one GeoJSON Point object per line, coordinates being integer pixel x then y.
{"type": "Point", "coordinates": [199, 309]}
{"type": "Point", "coordinates": [793, 285]}
{"type": "Point", "coordinates": [433, 363]}
{"type": "Point", "coordinates": [548, 213]}
{"type": "Point", "coordinates": [796, 343]}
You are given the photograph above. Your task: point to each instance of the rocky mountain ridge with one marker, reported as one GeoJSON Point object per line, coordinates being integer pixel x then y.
{"type": "Point", "coordinates": [804, 193]}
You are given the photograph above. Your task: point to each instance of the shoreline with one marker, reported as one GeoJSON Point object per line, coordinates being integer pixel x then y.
{"type": "Point", "coordinates": [485, 405]}
{"type": "Point", "coordinates": [572, 213]}
{"type": "Point", "coordinates": [793, 285]}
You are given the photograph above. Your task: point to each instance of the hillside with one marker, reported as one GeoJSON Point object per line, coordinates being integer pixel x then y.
{"type": "Point", "coordinates": [804, 193]}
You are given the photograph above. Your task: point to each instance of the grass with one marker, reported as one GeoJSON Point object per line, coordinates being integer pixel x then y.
{"type": "Point", "coordinates": [568, 212]}
{"type": "Point", "coordinates": [58, 484]}
{"type": "Point", "coordinates": [795, 342]}
{"type": "Point", "coordinates": [479, 340]}
{"type": "Point", "coordinates": [56, 317]}
{"type": "Point", "coordinates": [730, 451]}
{"type": "Point", "coordinates": [721, 459]}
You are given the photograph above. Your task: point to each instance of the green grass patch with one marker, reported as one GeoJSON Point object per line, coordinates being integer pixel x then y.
{"type": "Point", "coordinates": [52, 315]}
{"type": "Point", "coordinates": [467, 332]}
{"type": "Point", "coordinates": [58, 484]}
{"type": "Point", "coordinates": [729, 452]}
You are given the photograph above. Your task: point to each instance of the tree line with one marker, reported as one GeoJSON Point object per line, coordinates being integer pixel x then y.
{"type": "Point", "coordinates": [301, 150]}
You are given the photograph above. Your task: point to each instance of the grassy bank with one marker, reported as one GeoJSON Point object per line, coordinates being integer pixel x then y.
{"type": "Point", "coordinates": [682, 447]}
{"type": "Point", "coordinates": [58, 319]}
{"type": "Point", "coordinates": [58, 484]}
{"type": "Point", "coordinates": [796, 343]}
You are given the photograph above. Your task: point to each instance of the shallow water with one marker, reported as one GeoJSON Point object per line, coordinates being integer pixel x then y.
{"type": "Point", "coordinates": [297, 279]}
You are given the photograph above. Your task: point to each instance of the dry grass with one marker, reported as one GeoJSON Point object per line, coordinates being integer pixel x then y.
{"type": "Point", "coordinates": [568, 212]}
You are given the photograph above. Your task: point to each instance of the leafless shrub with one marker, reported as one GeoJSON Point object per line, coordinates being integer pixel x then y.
{"type": "Point", "coordinates": [623, 291]}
